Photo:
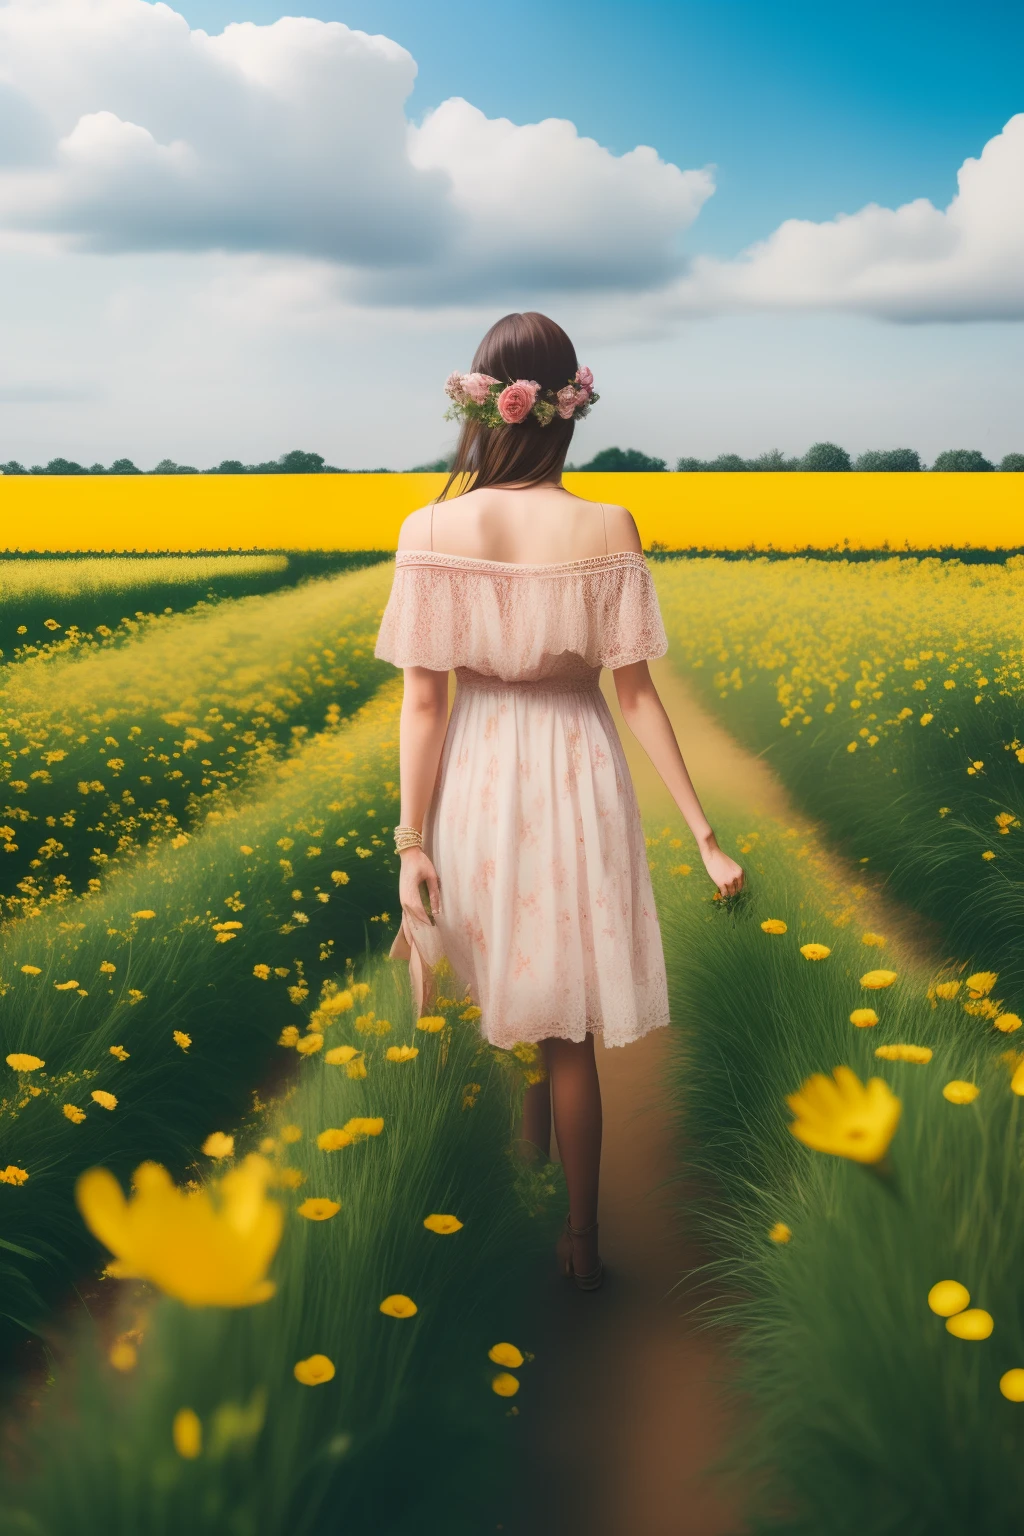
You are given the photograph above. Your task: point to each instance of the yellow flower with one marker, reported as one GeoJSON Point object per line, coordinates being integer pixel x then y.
{"type": "Point", "coordinates": [180, 1038]}
{"type": "Point", "coordinates": [291, 1133]}
{"type": "Point", "coordinates": [845, 1117]}
{"type": "Point", "coordinates": [145, 914]}
{"type": "Point", "coordinates": [876, 980]}
{"type": "Point", "coordinates": [773, 925]}
{"type": "Point", "coordinates": [851, 746]}
{"type": "Point", "coordinates": [319, 1210]}
{"type": "Point", "coordinates": [973, 1324]}
{"type": "Point", "coordinates": [864, 1018]}
{"type": "Point", "coordinates": [1011, 1385]}
{"type": "Point", "coordinates": [1017, 1081]}
{"type": "Point", "coordinates": [356, 1068]}
{"type": "Point", "coordinates": [333, 1139]}
{"type": "Point", "coordinates": [780, 1233]}
{"type": "Point", "coordinates": [340, 1055]}
{"type": "Point", "coordinates": [107, 968]}
{"type": "Point", "coordinates": [291, 1178]}
{"type": "Point", "coordinates": [13, 1175]}
{"type": "Point", "coordinates": [947, 1297]}
{"type": "Point", "coordinates": [206, 1247]}
{"type": "Point", "coordinates": [289, 1035]}
{"type": "Point", "coordinates": [443, 1225]}
{"type": "Point", "coordinates": [309, 1044]}
{"type": "Point", "coordinates": [981, 982]}
{"type": "Point", "coordinates": [104, 1100]}
{"type": "Point", "coordinates": [66, 986]}
{"type": "Point", "coordinates": [505, 1384]}
{"type": "Point", "coordinates": [507, 1355]}
{"type": "Point", "coordinates": [339, 876]}
{"type": "Point", "coordinates": [916, 1053]}
{"type": "Point", "coordinates": [947, 990]}
{"type": "Point", "coordinates": [815, 951]}
{"type": "Point", "coordinates": [187, 1434]}
{"type": "Point", "coordinates": [988, 854]}
{"type": "Point", "coordinates": [927, 718]}
{"type": "Point", "coordinates": [875, 940]}
{"type": "Point", "coordinates": [431, 1023]}
{"type": "Point", "coordinates": [1007, 1022]}
{"type": "Point", "coordinates": [401, 1052]}
{"type": "Point", "coordinates": [959, 1092]}
{"type": "Point", "coordinates": [31, 970]}
{"type": "Point", "coordinates": [74, 1114]}
{"type": "Point", "coordinates": [359, 990]}
{"type": "Point", "coordinates": [363, 1125]}
{"type": "Point", "coordinates": [120, 1052]}
{"type": "Point", "coordinates": [268, 1146]}
{"type": "Point", "coordinates": [123, 1355]}
{"type": "Point", "coordinates": [217, 1144]}
{"type": "Point", "coordinates": [21, 1062]}
{"type": "Point", "coordinates": [337, 1002]}
{"type": "Point", "coordinates": [261, 972]}
{"type": "Point", "coordinates": [398, 1306]}
{"type": "Point", "coordinates": [470, 1013]}
{"type": "Point", "coordinates": [314, 1371]}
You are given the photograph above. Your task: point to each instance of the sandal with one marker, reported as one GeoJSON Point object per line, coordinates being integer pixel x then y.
{"type": "Point", "coordinates": [588, 1282]}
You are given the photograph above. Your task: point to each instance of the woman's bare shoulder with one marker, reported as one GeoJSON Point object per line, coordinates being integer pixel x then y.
{"type": "Point", "coordinates": [415, 531]}
{"type": "Point", "coordinates": [622, 530]}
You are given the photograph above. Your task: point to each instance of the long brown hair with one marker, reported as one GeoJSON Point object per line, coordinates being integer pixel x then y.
{"type": "Point", "coordinates": [527, 346]}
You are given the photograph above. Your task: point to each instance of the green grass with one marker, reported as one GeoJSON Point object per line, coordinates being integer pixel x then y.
{"type": "Point", "coordinates": [864, 1414]}
{"type": "Point", "coordinates": [408, 1436]}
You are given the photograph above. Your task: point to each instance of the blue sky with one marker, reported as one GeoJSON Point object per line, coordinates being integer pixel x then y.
{"type": "Point", "coordinates": [806, 108]}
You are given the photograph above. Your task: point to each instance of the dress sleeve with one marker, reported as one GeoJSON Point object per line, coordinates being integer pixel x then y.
{"type": "Point", "coordinates": [415, 630]}
{"type": "Point", "coordinates": [630, 625]}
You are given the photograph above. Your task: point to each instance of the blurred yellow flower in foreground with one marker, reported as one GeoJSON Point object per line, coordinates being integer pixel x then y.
{"type": "Point", "coordinates": [291, 1133]}
{"type": "Point", "coordinates": [431, 1023]}
{"type": "Point", "coordinates": [123, 1355]}
{"type": "Point", "coordinates": [18, 1061]}
{"type": "Point", "coordinates": [876, 980]}
{"type": "Point", "coordinates": [104, 1100]}
{"type": "Point", "coordinates": [1011, 1385]}
{"type": "Point", "coordinates": [1007, 1022]}
{"type": "Point", "coordinates": [921, 1054]}
{"type": "Point", "coordinates": [505, 1384]}
{"type": "Point", "coordinates": [864, 1018]}
{"type": "Point", "coordinates": [443, 1225]}
{"type": "Point", "coordinates": [217, 1144]}
{"type": "Point", "coordinates": [359, 990]}
{"type": "Point", "coordinates": [981, 982]}
{"type": "Point", "coordinates": [206, 1247]}
{"type": "Point", "coordinates": [975, 1324]}
{"type": "Point", "coordinates": [507, 1355]}
{"type": "Point", "coordinates": [314, 1371]}
{"type": "Point", "coordinates": [353, 1130]}
{"type": "Point", "coordinates": [398, 1306]}
{"type": "Point", "coordinates": [947, 1297]}
{"type": "Point", "coordinates": [319, 1210]}
{"type": "Point", "coordinates": [187, 1434]}
{"type": "Point", "coordinates": [307, 1045]}
{"type": "Point", "coordinates": [815, 951]}
{"type": "Point", "coordinates": [341, 1055]}
{"type": "Point", "coordinates": [1017, 1080]}
{"type": "Point", "coordinates": [780, 1233]}
{"type": "Point", "coordinates": [773, 925]}
{"type": "Point", "coordinates": [844, 1116]}
{"type": "Point", "coordinates": [402, 1052]}
{"type": "Point", "coordinates": [959, 1092]}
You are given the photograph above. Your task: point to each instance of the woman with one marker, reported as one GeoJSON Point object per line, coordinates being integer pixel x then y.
{"type": "Point", "coordinates": [518, 815]}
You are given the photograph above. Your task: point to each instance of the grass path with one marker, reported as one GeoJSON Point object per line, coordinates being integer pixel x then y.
{"type": "Point", "coordinates": [635, 1407]}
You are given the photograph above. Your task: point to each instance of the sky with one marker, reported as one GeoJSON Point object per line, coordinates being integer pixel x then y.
{"type": "Point", "coordinates": [764, 224]}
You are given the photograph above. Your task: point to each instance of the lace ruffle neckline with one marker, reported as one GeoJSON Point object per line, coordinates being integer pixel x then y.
{"type": "Point", "coordinates": [560, 567]}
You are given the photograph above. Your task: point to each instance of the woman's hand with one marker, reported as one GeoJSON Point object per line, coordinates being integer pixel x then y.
{"type": "Point", "coordinates": [725, 872]}
{"type": "Point", "coordinates": [417, 870]}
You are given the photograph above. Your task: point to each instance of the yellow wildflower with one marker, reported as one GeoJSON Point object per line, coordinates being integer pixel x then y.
{"type": "Point", "coordinates": [217, 1144]}
{"type": "Point", "coordinates": [1017, 1081]}
{"type": "Point", "coordinates": [291, 1178]}
{"type": "Point", "coordinates": [291, 1133]}
{"type": "Point", "coordinates": [31, 970]}
{"type": "Point", "coordinates": [1007, 1022]}
{"type": "Point", "coordinates": [339, 876]}
{"type": "Point", "coordinates": [268, 1146]}
{"type": "Point", "coordinates": [187, 1434]}
{"type": "Point", "coordinates": [362, 1125]}
{"type": "Point", "coordinates": [431, 1023]}
{"type": "Point", "coordinates": [927, 718]}
{"type": "Point", "coordinates": [289, 1035]}
{"type": "Point", "coordinates": [470, 1013]}
{"type": "Point", "coordinates": [874, 940]}
{"type": "Point", "coordinates": [442, 1225]}
{"type": "Point", "coordinates": [104, 1100]}
{"type": "Point", "coordinates": [947, 990]}
{"type": "Point", "coordinates": [333, 1139]}
{"type": "Point", "coordinates": [845, 1117]}
{"type": "Point", "coordinates": [20, 1061]}
{"type": "Point", "coordinates": [948, 1297]}
{"type": "Point", "coordinates": [876, 980]}
{"type": "Point", "coordinates": [815, 951]}
{"type": "Point", "coordinates": [145, 914]}
{"type": "Point", "coordinates": [357, 1068]}
{"type": "Point", "coordinates": [180, 1038]}
{"type": "Point", "coordinates": [864, 1018]}
{"type": "Point", "coordinates": [1011, 1385]}
{"type": "Point", "coordinates": [507, 1355]}
{"type": "Point", "coordinates": [66, 986]}
{"type": "Point", "coordinates": [773, 925]}
{"type": "Point", "coordinates": [505, 1384]}
{"type": "Point", "coordinates": [74, 1114]}
{"type": "Point", "coordinates": [336, 1002]}
{"type": "Point", "coordinates": [120, 1052]}
{"type": "Point", "coordinates": [261, 972]}
{"type": "Point", "coordinates": [309, 1044]}
{"type": "Point", "coordinates": [680, 869]}
{"type": "Point", "coordinates": [314, 1371]}
{"type": "Point", "coordinates": [981, 982]}
{"type": "Point", "coordinates": [13, 1175]}
{"type": "Point", "coordinates": [920, 1054]}
{"type": "Point", "coordinates": [959, 1092]}
{"type": "Point", "coordinates": [123, 1355]}
{"type": "Point", "coordinates": [206, 1247]}
{"type": "Point", "coordinates": [780, 1233]}
{"type": "Point", "coordinates": [318, 1209]}
{"type": "Point", "coordinates": [976, 1323]}
{"type": "Point", "coordinates": [401, 1052]}
{"type": "Point", "coordinates": [988, 854]}
{"type": "Point", "coordinates": [398, 1306]}
{"type": "Point", "coordinates": [359, 990]}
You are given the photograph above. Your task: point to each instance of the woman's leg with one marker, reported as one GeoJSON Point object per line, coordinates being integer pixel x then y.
{"type": "Point", "coordinates": [576, 1105]}
{"type": "Point", "coordinates": [535, 1126]}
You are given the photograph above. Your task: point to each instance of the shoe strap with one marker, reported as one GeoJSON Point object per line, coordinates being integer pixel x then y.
{"type": "Point", "coordinates": [579, 1231]}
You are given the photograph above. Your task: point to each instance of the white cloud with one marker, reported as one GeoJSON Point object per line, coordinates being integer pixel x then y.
{"type": "Point", "coordinates": [121, 129]}
{"type": "Point", "coordinates": [912, 263]}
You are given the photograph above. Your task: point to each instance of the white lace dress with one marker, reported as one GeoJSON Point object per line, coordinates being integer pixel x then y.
{"type": "Point", "coordinates": [547, 914]}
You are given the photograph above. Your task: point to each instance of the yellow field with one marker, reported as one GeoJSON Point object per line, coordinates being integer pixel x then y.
{"type": "Point", "coordinates": [784, 511]}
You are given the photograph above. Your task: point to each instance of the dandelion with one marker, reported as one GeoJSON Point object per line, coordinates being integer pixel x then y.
{"type": "Point", "coordinates": [443, 1225]}
{"type": "Point", "coordinates": [107, 968]}
{"type": "Point", "coordinates": [144, 914]}
{"type": "Point", "coordinates": [206, 1247]}
{"type": "Point", "coordinates": [20, 1061]}
{"type": "Point", "coordinates": [959, 1092]}
{"type": "Point", "coordinates": [314, 1371]}
{"type": "Point", "coordinates": [845, 1117]}
{"type": "Point", "coordinates": [981, 983]}
{"type": "Point", "coordinates": [13, 1175]}
{"type": "Point", "coordinates": [505, 1384]}
{"type": "Point", "coordinates": [1007, 1022]}
{"type": "Point", "coordinates": [74, 1114]}
{"type": "Point", "coordinates": [187, 1434]}
{"type": "Point", "coordinates": [948, 1297]}
{"type": "Point", "coordinates": [318, 1209]}
{"type": "Point", "coordinates": [180, 1038]}
{"type": "Point", "coordinates": [398, 1306]}
{"type": "Point", "coordinates": [289, 1035]}
{"type": "Point", "coordinates": [773, 925]}
{"type": "Point", "coordinates": [339, 876]}
{"type": "Point", "coordinates": [261, 972]}
{"type": "Point", "coordinates": [104, 1100]}
{"type": "Point", "coordinates": [1011, 1385]}
{"type": "Point", "coordinates": [218, 1145]}
{"type": "Point", "coordinates": [31, 970]}
{"type": "Point", "coordinates": [401, 1052]}
{"type": "Point", "coordinates": [921, 1054]}
{"type": "Point", "coordinates": [876, 980]}
{"type": "Point", "coordinates": [309, 1044]}
{"type": "Point", "coordinates": [431, 1023]}
{"type": "Point", "coordinates": [973, 1324]}
{"type": "Point", "coordinates": [815, 951]}
{"type": "Point", "coordinates": [864, 1018]}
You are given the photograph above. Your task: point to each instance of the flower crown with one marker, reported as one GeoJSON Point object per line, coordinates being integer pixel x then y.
{"type": "Point", "coordinates": [478, 397]}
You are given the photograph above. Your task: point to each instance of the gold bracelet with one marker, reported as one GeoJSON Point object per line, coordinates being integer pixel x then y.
{"type": "Point", "coordinates": [407, 837]}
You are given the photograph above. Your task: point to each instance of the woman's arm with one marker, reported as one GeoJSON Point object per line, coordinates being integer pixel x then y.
{"type": "Point", "coordinates": [424, 721]}
{"type": "Point", "coordinates": [646, 717]}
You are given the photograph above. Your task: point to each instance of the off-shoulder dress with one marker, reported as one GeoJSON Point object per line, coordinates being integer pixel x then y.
{"type": "Point", "coordinates": [547, 914]}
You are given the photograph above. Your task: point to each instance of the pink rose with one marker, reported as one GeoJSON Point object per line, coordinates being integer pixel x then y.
{"type": "Point", "coordinates": [585, 378]}
{"type": "Point", "coordinates": [517, 400]}
{"type": "Point", "coordinates": [454, 388]}
{"type": "Point", "coordinates": [477, 386]}
{"type": "Point", "coordinates": [569, 397]}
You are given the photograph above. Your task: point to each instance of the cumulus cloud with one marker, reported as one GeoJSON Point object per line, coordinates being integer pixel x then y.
{"type": "Point", "coordinates": [122, 129]}
{"type": "Point", "coordinates": [913, 263]}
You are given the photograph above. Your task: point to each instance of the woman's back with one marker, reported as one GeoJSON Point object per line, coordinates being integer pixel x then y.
{"type": "Point", "coordinates": [534, 525]}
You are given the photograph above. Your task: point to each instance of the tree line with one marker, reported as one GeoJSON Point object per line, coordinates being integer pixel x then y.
{"type": "Point", "coordinates": [826, 458]}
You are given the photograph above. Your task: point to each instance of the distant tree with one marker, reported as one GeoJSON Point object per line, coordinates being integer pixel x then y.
{"type": "Point", "coordinates": [962, 461]}
{"type": "Point", "coordinates": [889, 461]}
{"type": "Point", "coordinates": [228, 467]}
{"type": "Point", "coordinates": [624, 461]}
{"type": "Point", "coordinates": [97, 469]}
{"type": "Point", "coordinates": [728, 464]}
{"type": "Point", "coordinates": [64, 467]}
{"type": "Point", "coordinates": [168, 467]}
{"type": "Point", "coordinates": [299, 463]}
{"type": "Point", "coordinates": [124, 467]}
{"type": "Point", "coordinates": [440, 467]}
{"type": "Point", "coordinates": [690, 466]}
{"type": "Point", "coordinates": [774, 462]}
{"type": "Point", "coordinates": [826, 458]}
{"type": "Point", "coordinates": [12, 467]}
{"type": "Point", "coordinates": [1013, 464]}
